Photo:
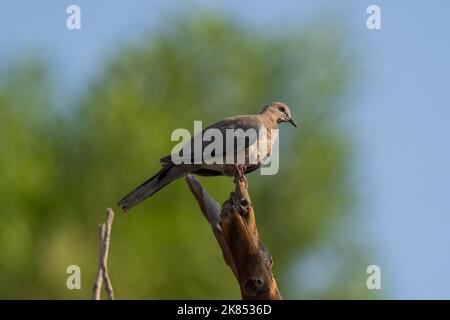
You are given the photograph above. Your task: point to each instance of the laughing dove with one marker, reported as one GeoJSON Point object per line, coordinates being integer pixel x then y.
{"type": "Point", "coordinates": [217, 163]}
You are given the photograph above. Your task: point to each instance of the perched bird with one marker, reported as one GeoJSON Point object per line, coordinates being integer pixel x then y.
{"type": "Point", "coordinates": [268, 119]}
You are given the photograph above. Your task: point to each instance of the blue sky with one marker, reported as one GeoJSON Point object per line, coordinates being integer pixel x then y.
{"type": "Point", "coordinates": [400, 119]}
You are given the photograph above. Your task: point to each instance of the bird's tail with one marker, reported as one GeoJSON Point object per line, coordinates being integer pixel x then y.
{"type": "Point", "coordinates": [162, 178]}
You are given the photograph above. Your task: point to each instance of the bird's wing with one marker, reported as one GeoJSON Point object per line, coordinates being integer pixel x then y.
{"type": "Point", "coordinates": [233, 124]}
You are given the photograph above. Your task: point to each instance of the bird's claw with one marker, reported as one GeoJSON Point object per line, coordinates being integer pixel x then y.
{"type": "Point", "coordinates": [240, 173]}
{"type": "Point", "coordinates": [237, 171]}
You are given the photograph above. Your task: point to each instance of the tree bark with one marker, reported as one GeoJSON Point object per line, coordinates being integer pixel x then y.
{"type": "Point", "coordinates": [234, 227]}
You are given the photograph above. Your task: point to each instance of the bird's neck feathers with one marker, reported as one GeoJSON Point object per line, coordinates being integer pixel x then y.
{"type": "Point", "coordinates": [269, 118]}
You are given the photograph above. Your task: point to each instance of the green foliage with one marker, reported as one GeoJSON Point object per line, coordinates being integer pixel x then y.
{"type": "Point", "coordinates": [60, 170]}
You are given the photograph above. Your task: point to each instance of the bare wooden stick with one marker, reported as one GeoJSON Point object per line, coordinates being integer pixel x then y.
{"type": "Point", "coordinates": [234, 227]}
{"type": "Point", "coordinates": [104, 231]}
{"type": "Point", "coordinates": [99, 278]}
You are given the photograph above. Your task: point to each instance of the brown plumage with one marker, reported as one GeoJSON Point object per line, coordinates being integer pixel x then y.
{"type": "Point", "coordinates": [269, 118]}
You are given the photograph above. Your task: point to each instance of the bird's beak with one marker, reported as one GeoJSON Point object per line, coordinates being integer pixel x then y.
{"type": "Point", "coordinates": [292, 122]}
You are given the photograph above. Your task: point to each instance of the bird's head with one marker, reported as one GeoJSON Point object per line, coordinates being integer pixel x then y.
{"type": "Point", "coordinates": [279, 112]}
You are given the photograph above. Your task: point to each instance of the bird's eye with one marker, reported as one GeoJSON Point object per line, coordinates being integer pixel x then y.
{"type": "Point", "coordinates": [282, 109]}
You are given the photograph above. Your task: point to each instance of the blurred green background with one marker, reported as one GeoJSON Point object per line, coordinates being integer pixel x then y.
{"type": "Point", "coordinates": [61, 167]}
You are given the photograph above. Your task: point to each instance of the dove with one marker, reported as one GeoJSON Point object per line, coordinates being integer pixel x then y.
{"type": "Point", "coordinates": [266, 121]}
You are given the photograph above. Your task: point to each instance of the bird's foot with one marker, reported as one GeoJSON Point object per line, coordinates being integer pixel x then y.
{"type": "Point", "coordinates": [237, 171]}
{"type": "Point", "coordinates": [240, 174]}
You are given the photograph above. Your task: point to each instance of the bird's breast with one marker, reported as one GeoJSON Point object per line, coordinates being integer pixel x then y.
{"type": "Point", "coordinates": [262, 149]}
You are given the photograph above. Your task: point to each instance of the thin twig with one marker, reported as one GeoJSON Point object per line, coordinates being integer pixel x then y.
{"type": "Point", "coordinates": [104, 231]}
{"type": "Point", "coordinates": [99, 277]}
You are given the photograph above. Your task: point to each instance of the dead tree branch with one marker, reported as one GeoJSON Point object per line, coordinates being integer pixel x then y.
{"type": "Point", "coordinates": [104, 232]}
{"type": "Point", "coordinates": [234, 227]}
